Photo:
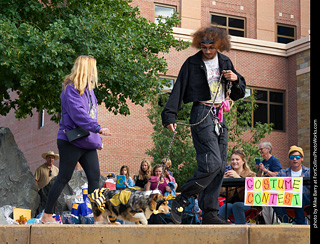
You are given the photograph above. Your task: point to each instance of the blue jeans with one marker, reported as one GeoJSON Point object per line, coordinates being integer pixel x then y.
{"type": "Point", "coordinates": [299, 212]}
{"type": "Point", "coordinates": [236, 209]}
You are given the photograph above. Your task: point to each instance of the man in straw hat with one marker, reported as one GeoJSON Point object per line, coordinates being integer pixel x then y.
{"type": "Point", "coordinates": [47, 170]}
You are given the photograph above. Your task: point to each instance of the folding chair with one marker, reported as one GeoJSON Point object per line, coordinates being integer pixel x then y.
{"type": "Point", "coordinates": [291, 213]}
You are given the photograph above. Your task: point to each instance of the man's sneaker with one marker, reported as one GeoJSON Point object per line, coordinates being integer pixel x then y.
{"type": "Point", "coordinates": [212, 218]}
{"type": "Point", "coordinates": [177, 208]}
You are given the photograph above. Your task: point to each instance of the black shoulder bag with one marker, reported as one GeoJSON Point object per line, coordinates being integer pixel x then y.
{"type": "Point", "coordinates": [77, 133]}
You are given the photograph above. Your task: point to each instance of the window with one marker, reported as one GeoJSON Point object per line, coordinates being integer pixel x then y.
{"type": "Point", "coordinates": [235, 26]}
{"type": "Point", "coordinates": [286, 33]}
{"type": "Point", "coordinates": [171, 83]}
{"type": "Point", "coordinates": [270, 107]}
{"type": "Point", "coordinates": [166, 90]}
{"type": "Point", "coordinates": [161, 12]}
{"type": "Point", "coordinates": [41, 119]}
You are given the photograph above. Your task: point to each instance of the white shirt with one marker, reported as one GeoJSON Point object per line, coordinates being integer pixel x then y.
{"type": "Point", "coordinates": [213, 75]}
{"type": "Point", "coordinates": [296, 174]}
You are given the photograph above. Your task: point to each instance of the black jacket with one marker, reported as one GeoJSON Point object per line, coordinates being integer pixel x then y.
{"type": "Point", "coordinates": [192, 85]}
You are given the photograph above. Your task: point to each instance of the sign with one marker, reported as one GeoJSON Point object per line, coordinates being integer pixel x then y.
{"type": "Point", "coordinates": [274, 191]}
{"type": "Point", "coordinates": [120, 181]}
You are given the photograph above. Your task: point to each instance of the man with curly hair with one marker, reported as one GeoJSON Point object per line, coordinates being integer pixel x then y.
{"type": "Point", "coordinates": [199, 82]}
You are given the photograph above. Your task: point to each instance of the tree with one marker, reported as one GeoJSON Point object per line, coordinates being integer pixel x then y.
{"type": "Point", "coordinates": [239, 122]}
{"type": "Point", "coordinates": [40, 40]}
{"type": "Point", "coordinates": [183, 154]}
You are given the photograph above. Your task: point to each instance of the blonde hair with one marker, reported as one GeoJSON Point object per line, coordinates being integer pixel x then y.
{"type": "Point", "coordinates": [167, 162]}
{"type": "Point", "coordinates": [83, 73]}
{"type": "Point", "coordinates": [242, 155]}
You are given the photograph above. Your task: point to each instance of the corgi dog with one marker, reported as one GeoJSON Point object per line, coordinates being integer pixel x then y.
{"type": "Point", "coordinates": [130, 204]}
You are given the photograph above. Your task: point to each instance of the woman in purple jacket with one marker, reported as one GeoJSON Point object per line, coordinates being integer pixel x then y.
{"type": "Point", "coordinates": [79, 109]}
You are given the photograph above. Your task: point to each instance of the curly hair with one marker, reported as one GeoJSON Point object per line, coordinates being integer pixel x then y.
{"type": "Point", "coordinates": [218, 34]}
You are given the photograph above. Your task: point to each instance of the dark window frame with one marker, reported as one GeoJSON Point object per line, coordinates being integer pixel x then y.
{"type": "Point", "coordinates": [287, 37]}
{"type": "Point", "coordinates": [227, 27]}
{"type": "Point", "coordinates": [268, 103]}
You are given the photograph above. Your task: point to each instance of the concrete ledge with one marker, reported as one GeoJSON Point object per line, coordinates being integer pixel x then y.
{"type": "Point", "coordinates": [155, 234]}
{"type": "Point", "coordinates": [14, 234]}
{"type": "Point", "coordinates": [255, 45]}
{"type": "Point", "coordinates": [283, 234]}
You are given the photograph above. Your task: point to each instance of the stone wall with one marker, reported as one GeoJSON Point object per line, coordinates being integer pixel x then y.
{"type": "Point", "coordinates": [303, 103]}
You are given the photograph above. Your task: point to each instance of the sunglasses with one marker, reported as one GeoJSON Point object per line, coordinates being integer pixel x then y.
{"type": "Point", "coordinates": [50, 173]}
{"type": "Point", "coordinates": [295, 156]}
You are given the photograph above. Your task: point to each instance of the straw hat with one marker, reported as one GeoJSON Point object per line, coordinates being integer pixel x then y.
{"type": "Point", "coordinates": [50, 153]}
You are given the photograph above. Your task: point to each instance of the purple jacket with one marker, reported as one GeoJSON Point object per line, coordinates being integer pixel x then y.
{"type": "Point", "coordinates": [75, 112]}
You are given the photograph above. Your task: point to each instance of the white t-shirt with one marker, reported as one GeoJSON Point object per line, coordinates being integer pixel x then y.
{"type": "Point", "coordinates": [296, 174]}
{"type": "Point", "coordinates": [213, 75]}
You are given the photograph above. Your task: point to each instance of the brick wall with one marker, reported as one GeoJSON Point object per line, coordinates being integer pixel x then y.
{"type": "Point", "coordinates": [288, 12]}
{"type": "Point", "coordinates": [240, 8]}
{"type": "Point", "coordinates": [129, 141]}
{"type": "Point", "coordinates": [31, 140]}
{"type": "Point", "coordinates": [131, 134]}
{"type": "Point", "coordinates": [127, 145]}
{"type": "Point", "coordinates": [260, 15]}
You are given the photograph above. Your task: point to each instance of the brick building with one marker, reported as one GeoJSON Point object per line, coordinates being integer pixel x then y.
{"type": "Point", "coordinates": [270, 48]}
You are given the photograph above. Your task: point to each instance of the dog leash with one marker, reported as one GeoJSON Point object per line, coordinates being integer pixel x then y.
{"type": "Point", "coordinates": [167, 157]}
{"type": "Point", "coordinates": [229, 86]}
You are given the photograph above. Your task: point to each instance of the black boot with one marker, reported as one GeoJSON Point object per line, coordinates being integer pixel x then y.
{"type": "Point", "coordinates": [177, 208]}
{"type": "Point", "coordinates": [213, 218]}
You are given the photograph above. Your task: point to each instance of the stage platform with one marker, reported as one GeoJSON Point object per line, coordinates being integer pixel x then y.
{"type": "Point", "coordinates": [154, 234]}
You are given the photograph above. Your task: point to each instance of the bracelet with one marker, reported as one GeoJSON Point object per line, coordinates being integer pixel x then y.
{"type": "Point", "coordinates": [267, 172]}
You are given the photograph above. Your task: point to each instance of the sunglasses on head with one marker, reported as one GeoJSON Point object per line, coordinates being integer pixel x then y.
{"type": "Point", "coordinates": [295, 156]}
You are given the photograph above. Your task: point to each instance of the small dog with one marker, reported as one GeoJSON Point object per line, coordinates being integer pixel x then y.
{"type": "Point", "coordinates": [130, 204]}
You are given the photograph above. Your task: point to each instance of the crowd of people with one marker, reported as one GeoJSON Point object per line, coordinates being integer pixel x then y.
{"type": "Point", "coordinates": [160, 177]}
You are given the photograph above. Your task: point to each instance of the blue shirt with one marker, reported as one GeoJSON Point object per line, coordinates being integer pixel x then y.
{"type": "Point", "coordinates": [273, 164]}
{"type": "Point", "coordinates": [129, 182]}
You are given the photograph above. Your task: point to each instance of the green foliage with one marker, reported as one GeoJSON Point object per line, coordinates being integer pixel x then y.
{"type": "Point", "coordinates": [183, 155]}
{"type": "Point", "coordinates": [40, 40]}
{"type": "Point", "coordinates": [239, 121]}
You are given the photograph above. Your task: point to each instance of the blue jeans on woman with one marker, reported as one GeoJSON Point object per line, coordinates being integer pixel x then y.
{"type": "Point", "coordinates": [236, 209]}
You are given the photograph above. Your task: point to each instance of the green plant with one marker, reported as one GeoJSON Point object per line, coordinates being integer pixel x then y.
{"type": "Point", "coordinates": [40, 40]}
